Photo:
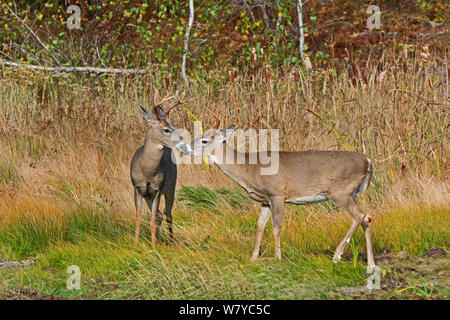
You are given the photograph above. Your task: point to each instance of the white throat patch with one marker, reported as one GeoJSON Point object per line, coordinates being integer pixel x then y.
{"type": "Point", "coordinates": [212, 159]}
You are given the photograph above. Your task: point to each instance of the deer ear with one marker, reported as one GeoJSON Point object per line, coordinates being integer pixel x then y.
{"type": "Point", "coordinates": [227, 132]}
{"type": "Point", "coordinates": [149, 117]}
{"type": "Point", "coordinates": [160, 113]}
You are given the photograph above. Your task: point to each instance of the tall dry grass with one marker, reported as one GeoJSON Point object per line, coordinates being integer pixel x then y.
{"type": "Point", "coordinates": [85, 128]}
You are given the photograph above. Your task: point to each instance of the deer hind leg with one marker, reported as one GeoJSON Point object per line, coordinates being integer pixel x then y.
{"type": "Point", "coordinates": [262, 221]}
{"type": "Point", "coordinates": [357, 219]}
{"type": "Point", "coordinates": [367, 226]}
{"type": "Point", "coordinates": [277, 208]}
{"type": "Point", "coordinates": [169, 198]}
{"type": "Point", "coordinates": [138, 206]}
{"type": "Point", "coordinates": [157, 216]}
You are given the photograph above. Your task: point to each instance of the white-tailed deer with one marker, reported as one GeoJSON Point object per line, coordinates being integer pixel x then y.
{"type": "Point", "coordinates": [153, 169]}
{"type": "Point", "coordinates": [302, 177]}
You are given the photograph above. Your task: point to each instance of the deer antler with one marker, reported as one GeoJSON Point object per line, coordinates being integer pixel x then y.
{"type": "Point", "coordinates": [217, 116]}
{"type": "Point", "coordinates": [166, 98]}
{"type": "Point", "coordinates": [158, 104]}
{"type": "Point", "coordinates": [173, 106]}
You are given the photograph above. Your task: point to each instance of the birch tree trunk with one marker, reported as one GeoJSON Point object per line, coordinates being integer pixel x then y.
{"type": "Point", "coordinates": [186, 43]}
{"type": "Point", "coordinates": [300, 29]}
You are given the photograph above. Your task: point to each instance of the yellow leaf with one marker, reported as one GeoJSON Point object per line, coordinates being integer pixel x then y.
{"type": "Point", "coordinates": [206, 163]}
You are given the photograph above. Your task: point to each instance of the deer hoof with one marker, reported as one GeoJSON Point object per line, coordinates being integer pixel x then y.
{"type": "Point", "coordinates": [337, 258]}
{"type": "Point", "coordinates": [254, 257]}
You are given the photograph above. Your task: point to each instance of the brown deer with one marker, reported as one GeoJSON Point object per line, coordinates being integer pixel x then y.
{"type": "Point", "coordinates": [302, 177]}
{"type": "Point", "coordinates": [153, 168]}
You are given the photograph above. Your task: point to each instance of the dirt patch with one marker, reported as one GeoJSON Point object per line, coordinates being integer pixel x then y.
{"type": "Point", "coordinates": [25, 294]}
{"type": "Point", "coordinates": [4, 264]}
{"type": "Point", "coordinates": [408, 277]}
{"type": "Point", "coordinates": [435, 253]}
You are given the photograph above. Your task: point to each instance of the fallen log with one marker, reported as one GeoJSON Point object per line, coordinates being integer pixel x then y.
{"type": "Point", "coordinates": [74, 69]}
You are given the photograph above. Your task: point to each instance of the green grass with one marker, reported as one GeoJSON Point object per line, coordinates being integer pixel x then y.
{"type": "Point", "coordinates": [210, 257]}
{"type": "Point", "coordinates": [202, 198]}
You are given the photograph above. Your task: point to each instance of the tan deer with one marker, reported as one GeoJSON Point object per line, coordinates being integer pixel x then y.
{"type": "Point", "coordinates": [153, 168]}
{"type": "Point", "coordinates": [302, 177]}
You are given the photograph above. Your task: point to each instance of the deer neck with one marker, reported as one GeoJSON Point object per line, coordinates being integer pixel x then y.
{"type": "Point", "coordinates": [232, 170]}
{"type": "Point", "coordinates": [152, 153]}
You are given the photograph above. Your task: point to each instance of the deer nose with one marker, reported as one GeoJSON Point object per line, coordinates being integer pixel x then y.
{"type": "Point", "coordinates": [183, 148]}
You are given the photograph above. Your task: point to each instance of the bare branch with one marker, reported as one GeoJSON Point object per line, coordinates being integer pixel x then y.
{"type": "Point", "coordinates": [32, 32]}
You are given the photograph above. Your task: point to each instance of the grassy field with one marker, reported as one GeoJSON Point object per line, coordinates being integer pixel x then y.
{"type": "Point", "coordinates": [210, 257]}
{"type": "Point", "coordinates": [66, 197]}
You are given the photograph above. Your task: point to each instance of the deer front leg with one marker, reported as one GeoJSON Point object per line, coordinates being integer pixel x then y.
{"type": "Point", "coordinates": [262, 221]}
{"type": "Point", "coordinates": [138, 206]}
{"type": "Point", "coordinates": [168, 212]}
{"type": "Point", "coordinates": [277, 208]}
{"type": "Point", "coordinates": [156, 219]}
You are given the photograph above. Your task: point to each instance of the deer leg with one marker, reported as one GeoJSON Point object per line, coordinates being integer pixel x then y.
{"type": "Point", "coordinates": [367, 226]}
{"type": "Point", "coordinates": [168, 212]}
{"type": "Point", "coordinates": [138, 205]}
{"type": "Point", "coordinates": [262, 220]}
{"type": "Point", "coordinates": [357, 218]}
{"type": "Point", "coordinates": [156, 219]}
{"type": "Point", "coordinates": [277, 208]}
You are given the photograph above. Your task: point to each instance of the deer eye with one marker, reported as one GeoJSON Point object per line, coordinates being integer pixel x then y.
{"type": "Point", "coordinates": [167, 130]}
{"type": "Point", "coordinates": [204, 141]}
